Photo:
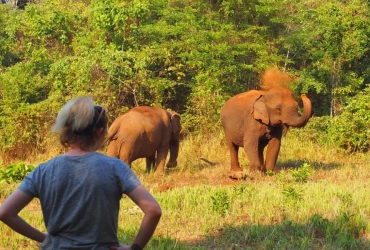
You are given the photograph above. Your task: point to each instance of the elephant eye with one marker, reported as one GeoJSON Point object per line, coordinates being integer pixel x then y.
{"type": "Point", "coordinates": [278, 109]}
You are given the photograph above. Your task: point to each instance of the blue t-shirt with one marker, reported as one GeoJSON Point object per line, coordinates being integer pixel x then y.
{"type": "Point", "coordinates": [80, 197]}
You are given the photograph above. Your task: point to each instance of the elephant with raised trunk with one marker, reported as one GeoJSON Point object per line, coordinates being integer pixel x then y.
{"type": "Point", "coordinates": [146, 132]}
{"type": "Point", "coordinates": [256, 119]}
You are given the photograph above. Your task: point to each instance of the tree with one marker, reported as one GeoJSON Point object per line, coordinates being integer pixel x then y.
{"type": "Point", "coordinates": [329, 46]}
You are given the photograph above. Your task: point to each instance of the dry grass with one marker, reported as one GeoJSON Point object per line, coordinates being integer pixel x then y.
{"type": "Point", "coordinates": [260, 214]}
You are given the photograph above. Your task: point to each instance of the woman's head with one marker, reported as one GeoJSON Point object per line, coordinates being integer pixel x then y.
{"type": "Point", "coordinates": [81, 123]}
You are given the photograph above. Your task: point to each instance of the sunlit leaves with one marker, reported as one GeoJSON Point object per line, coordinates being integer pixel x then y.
{"type": "Point", "coordinates": [189, 56]}
{"type": "Point", "coordinates": [351, 129]}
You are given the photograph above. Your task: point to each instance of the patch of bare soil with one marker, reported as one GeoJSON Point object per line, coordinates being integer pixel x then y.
{"type": "Point", "coordinates": [219, 175]}
{"type": "Point", "coordinates": [212, 176]}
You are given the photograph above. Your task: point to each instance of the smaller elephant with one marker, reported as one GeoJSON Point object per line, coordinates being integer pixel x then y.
{"type": "Point", "coordinates": [146, 132]}
{"type": "Point", "coordinates": [257, 119]}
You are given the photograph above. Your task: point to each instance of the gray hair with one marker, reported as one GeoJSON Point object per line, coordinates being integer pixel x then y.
{"type": "Point", "coordinates": [78, 113]}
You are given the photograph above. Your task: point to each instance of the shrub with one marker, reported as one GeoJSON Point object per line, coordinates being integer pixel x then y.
{"type": "Point", "coordinates": [15, 172]}
{"type": "Point", "coordinates": [220, 202]}
{"type": "Point", "coordinates": [301, 174]}
{"type": "Point", "coordinates": [351, 129]}
{"type": "Point", "coordinates": [316, 130]}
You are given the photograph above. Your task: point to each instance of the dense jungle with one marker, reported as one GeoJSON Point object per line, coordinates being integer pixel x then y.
{"type": "Point", "coordinates": [191, 57]}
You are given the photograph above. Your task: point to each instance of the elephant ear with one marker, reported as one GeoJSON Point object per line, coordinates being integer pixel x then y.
{"type": "Point", "coordinates": [175, 123]}
{"type": "Point", "coordinates": [259, 111]}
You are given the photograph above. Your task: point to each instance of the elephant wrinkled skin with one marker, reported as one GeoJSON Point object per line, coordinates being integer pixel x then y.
{"type": "Point", "coordinates": [256, 119]}
{"type": "Point", "coordinates": [146, 132]}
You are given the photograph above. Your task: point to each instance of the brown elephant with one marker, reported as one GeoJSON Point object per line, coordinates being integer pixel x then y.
{"type": "Point", "coordinates": [146, 132]}
{"type": "Point", "coordinates": [256, 119]}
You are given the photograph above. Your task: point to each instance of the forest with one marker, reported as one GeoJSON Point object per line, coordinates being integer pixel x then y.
{"type": "Point", "coordinates": [187, 56]}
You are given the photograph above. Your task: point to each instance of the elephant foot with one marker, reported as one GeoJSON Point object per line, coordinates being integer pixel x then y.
{"type": "Point", "coordinates": [171, 164]}
{"type": "Point", "coordinates": [236, 174]}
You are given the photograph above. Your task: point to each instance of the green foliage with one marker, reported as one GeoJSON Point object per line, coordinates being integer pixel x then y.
{"type": "Point", "coordinates": [282, 177]}
{"type": "Point", "coordinates": [348, 131]}
{"type": "Point", "coordinates": [270, 173]}
{"type": "Point", "coordinates": [351, 129]}
{"type": "Point", "coordinates": [346, 229]}
{"type": "Point", "coordinates": [188, 56]}
{"type": "Point", "coordinates": [317, 225]}
{"type": "Point", "coordinates": [25, 127]}
{"type": "Point", "coordinates": [330, 46]}
{"type": "Point", "coordinates": [15, 172]}
{"type": "Point", "coordinates": [220, 202]}
{"type": "Point", "coordinates": [286, 179]}
{"type": "Point", "coordinates": [342, 233]}
{"type": "Point", "coordinates": [293, 194]}
{"type": "Point", "coordinates": [302, 173]}
{"type": "Point", "coordinates": [316, 130]}
{"type": "Point", "coordinates": [24, 83]}
{"type": "Point", "coordinates": [345, 198]}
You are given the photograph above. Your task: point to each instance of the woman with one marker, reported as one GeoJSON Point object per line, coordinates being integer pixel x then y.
{"type": "Point", "coordinates": [80, 191]}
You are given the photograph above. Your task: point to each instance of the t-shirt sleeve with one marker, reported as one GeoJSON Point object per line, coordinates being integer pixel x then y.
{"type": "Point", "coordinates": [28, 184]}
{"type": "Point", "coordinates": [127, 180]}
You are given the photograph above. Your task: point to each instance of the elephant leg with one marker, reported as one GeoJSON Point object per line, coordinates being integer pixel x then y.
{"type": "Point", "coordinates": [113, 148]}
{"type": "Point", "coordinates": [150, 161]}
{"type": "Point", "coordinates": [174, 153]}
{"type": "Point", "coordinates": [235, 166]}
{"type": "Point", "coordinates": [254, 151]}
{"type": "Point", "coordinates": [161, 160]}
{"type": "Point", "coordinates": [272, 153]}
{"type": "Point", "coordinates": [261, 148]}
{"type": "Point", "coordinates": [126, 160]}
{"type": "Point", "coordinates": [126, 155]}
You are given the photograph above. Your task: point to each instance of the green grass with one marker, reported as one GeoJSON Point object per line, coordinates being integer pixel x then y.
{"type": "Point", "coordinates": [318, 199]}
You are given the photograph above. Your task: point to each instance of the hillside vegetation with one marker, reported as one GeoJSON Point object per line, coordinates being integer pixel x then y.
{"type": "Point", "coordinates": [188, 56]}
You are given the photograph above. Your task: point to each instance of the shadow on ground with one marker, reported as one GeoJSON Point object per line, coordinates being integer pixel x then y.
{"type": "Point", "coordinates": [293, 164]}
{"type": "Point", "coordinates": [317, 233]}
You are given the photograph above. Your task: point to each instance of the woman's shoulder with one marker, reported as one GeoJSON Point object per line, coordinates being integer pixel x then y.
{"type": "Point", "coordinates": [111, 160]}
{"type": "Point", "coordinates": [92, 159]}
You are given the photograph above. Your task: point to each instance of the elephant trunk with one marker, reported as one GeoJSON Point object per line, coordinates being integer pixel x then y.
{"type": "Point", "coordinates": [174, 152]}
{"type": "Point", "coordinates": [300, 121]}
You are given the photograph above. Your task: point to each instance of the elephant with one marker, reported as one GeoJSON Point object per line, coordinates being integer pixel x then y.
{"type": "Point", "coordinates": [146, 132]}
{"type": "Point", "coordinates": [258, 118]}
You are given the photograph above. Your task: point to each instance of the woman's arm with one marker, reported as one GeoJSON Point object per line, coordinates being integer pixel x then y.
{"type": "Point", "coordinates": [9, 215]}
{"type": "Point", "coordinates": [152, 214]}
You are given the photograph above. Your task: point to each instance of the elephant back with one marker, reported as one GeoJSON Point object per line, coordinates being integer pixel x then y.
{"type": "Point", "coordinates": [239, 105]}
{"type": "Point", "coordinates": [138, 122]}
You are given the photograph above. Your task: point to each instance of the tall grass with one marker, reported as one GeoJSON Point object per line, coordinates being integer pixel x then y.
{"type": "Point", "coordinates": [318, 199]}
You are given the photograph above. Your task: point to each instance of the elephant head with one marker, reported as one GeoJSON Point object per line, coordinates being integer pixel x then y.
{"type": "Point", "coordinates": [277, 107]}
{"type": "Point", "coordinates": [175, 139]}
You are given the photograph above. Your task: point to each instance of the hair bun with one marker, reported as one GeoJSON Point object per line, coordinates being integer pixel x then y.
{"type": "Point", "coordinates": [78, 113]}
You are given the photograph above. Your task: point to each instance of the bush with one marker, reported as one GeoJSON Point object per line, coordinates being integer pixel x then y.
{"type": "Point", "coordinates": [301, 174]}
{"type": "Point", "coordinates": [15, 172]}
{"type": "Point", "coordinates": [316, 130]}
{"type": "Point", "coordinates": [351, 129]}
{"type": "Point", "coordinates": [220, 202]}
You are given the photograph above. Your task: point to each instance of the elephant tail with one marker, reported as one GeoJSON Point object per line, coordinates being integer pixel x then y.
{"type": "Point", "coordinates": [108, 140]}
{"type": "Point", "coordinates": [112, 131]}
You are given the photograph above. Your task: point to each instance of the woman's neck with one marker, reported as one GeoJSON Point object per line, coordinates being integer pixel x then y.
{"type": "Point", "coordinates": [76, 151]}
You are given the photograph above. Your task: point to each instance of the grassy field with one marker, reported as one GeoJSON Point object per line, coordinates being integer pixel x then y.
{"type": "Point", "coordinates": [317, 199]}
